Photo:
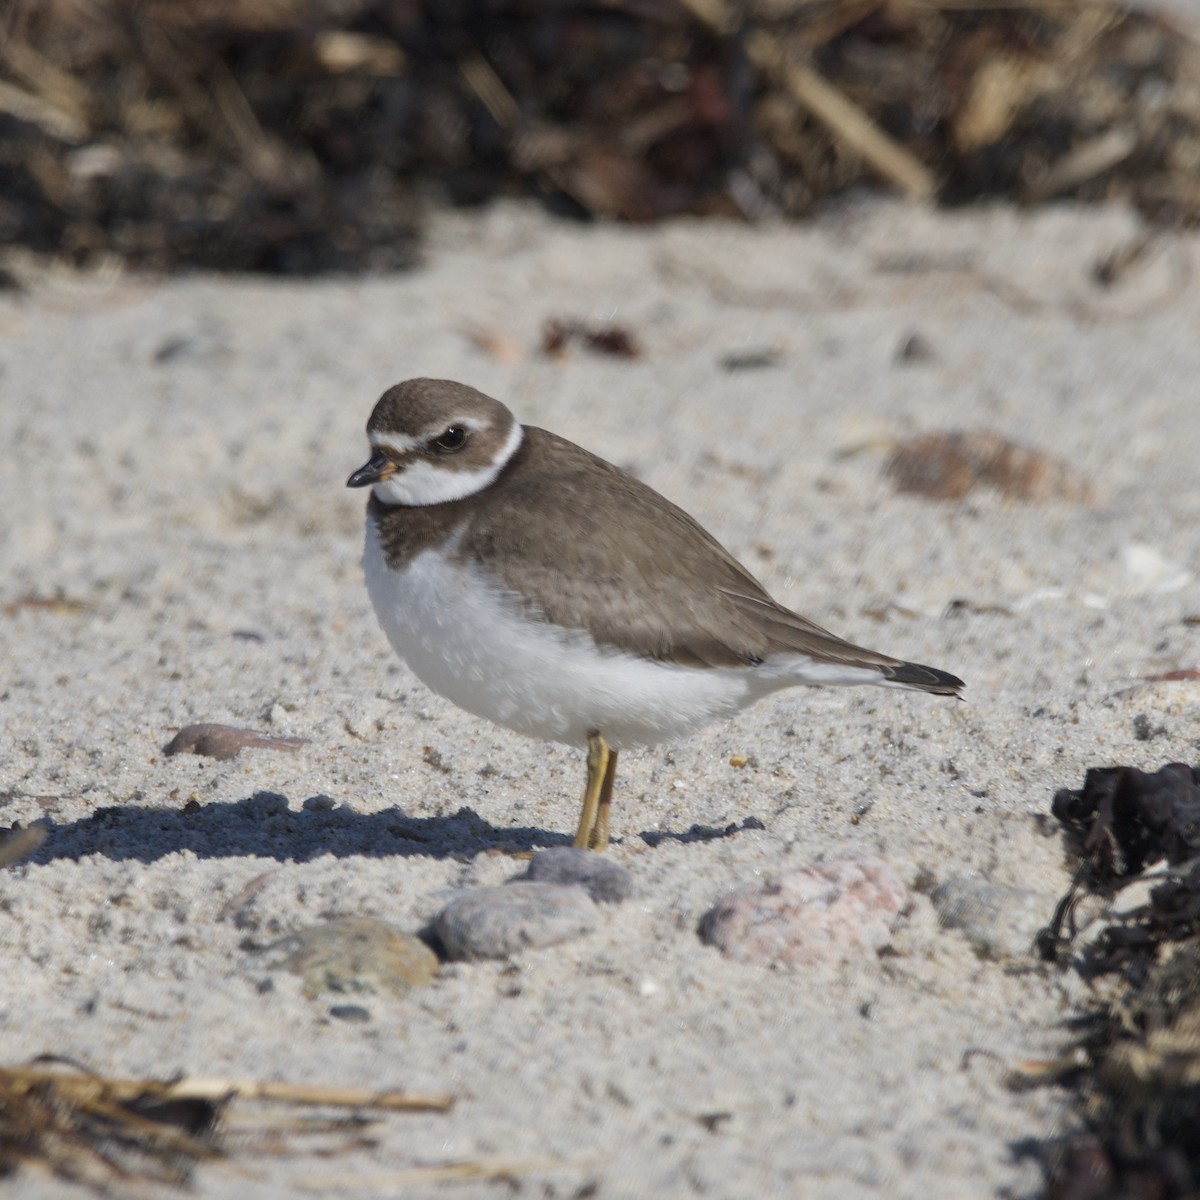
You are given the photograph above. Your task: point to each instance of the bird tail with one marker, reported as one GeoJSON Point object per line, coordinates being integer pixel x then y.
{"type": "Point", "coordinates": [923, 679]}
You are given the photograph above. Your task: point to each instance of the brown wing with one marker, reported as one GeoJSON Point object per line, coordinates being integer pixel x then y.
{"type": "Point", "coordinates": [596, 550]}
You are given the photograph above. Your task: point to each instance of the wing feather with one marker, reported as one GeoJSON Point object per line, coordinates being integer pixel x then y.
{"type": "Point", "coordinates": [590, 548]}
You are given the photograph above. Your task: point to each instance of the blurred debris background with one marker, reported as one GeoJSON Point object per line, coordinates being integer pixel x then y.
{"type": "Point", "coordinates": [302, 136]}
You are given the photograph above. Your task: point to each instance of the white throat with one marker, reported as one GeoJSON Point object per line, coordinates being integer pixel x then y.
{"type": "Point", "coordinates": [424, 482]}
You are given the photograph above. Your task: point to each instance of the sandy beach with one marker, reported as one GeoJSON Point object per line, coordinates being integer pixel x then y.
{"type": "Point", "coordinates": [178, 546]}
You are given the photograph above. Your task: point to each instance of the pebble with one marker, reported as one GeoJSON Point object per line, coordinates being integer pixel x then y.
{"type": "Point", "coordinates": [354, 1013]}
{"type": "Point", "coordinates": [915, 348]}
{"type": "Point", "coordinates": [605, 881]}
{"type": "Point", "coordinates": [999, 922]}
{"type": "Point", "coordinates": [357, 954]}
{"type": "Point", "coordinates": [496, 922]}
{"type": "Point", "coordinates": [1150, 572]}
{"type": "Point", "coordinates": [826, 912]}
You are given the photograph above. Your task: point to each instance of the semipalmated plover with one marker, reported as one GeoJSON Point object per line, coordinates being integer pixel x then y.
{"type": "Point", "coordinates": [539, 586]}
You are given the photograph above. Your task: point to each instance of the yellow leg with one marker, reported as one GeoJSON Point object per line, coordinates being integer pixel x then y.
{"type": "Point", "coordinates": [597, 769]}
{"type": "Point", "coordinates": [598, 839]}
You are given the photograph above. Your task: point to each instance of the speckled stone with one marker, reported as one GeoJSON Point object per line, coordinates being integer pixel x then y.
{"type": "Point", "coordinates": [823, 913]}
{"type": "Point", "coordinates": [357, 954]}
{"type": "Point", "coordinates": [496, 922]}
{"type": "Point", "coordinates": [605, 881]}
{"type": "Point", "coordinates": [998, 921]}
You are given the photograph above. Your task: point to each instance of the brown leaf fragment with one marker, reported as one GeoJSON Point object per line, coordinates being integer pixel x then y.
{"type": "Point", "coordinates": [946, 466]}
{"type": "Point", "coordinates": [1182, 675]}
{"type": "Point", "coordinates": [224, 741]}
{"type": "Point", "coordinates": [613, 340]}
{"type": "Point", "coordinates": [499, 346]}
{"type": "Point", "coordinates": [61, 606]}
{"type": "Point", "coordinates": [19, 842]}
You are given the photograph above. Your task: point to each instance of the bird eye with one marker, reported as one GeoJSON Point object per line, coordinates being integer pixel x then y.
{"type": "Point", "coordinates": [454, 438]}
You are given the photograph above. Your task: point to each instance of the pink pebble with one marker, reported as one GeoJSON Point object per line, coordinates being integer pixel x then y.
{"type": "Point", "coordinates": [824, 913]}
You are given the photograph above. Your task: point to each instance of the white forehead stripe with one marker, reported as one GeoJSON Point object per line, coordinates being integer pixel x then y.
{"type": "Point", "coordinates": [428, 482]}
{"type": "Point", "coordinates": [395, 443]}
{"type": "Point", "coordinates": [402, 443]}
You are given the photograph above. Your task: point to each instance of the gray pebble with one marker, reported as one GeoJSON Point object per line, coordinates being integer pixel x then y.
{"type": "Point", "coordinates": [998, 921]}
{"type": "Point", "coordinates": [605, 881]}
{"type": "Point", "coordinates": [350, 1012]}
{"type": "Point", "coordinates": [496, 922]}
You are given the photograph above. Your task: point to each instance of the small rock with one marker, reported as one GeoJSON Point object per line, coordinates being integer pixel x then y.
{"type": "Point", "coordinates": [357, 954]}
{"type": "Point", "coordinates": [605, 881]}
{"type": "Point", "coordinates": [196, 346]}
{"type": "Point", "coordinates": [495, 922]}
{"type": "Point", "coordinates": [914, 348]}
{"type": "Point", "coordinates": [1150, 572]}
{"type": "Point", "coordinates": [751, 360]}
{"type": "Point", "coordinates": [998, 921]}
{"type": "Point", "coordinates": [821, 913]}
{"type": "Point", "coordinates": [350, 1012]}
{"type": "Point", "coordinates": [1144, 731]}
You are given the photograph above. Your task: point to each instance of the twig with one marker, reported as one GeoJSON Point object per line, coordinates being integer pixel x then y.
{"type": "Point", "coordinates": [832, 107]}
{"type": "Point", "coordinates": [844, 118]}
{"type": "Point", "coordinates": [243, 1089]}
{"type": "Point", "coordinates": [1095, 156]}
{"type": "Point", "coordinates": [49, 117]}
{"type": "Point", "coordinates": [482, 79]}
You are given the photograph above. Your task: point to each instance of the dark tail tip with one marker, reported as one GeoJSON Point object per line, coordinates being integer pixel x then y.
{"type": "Point", "coordinates": [926, 679]}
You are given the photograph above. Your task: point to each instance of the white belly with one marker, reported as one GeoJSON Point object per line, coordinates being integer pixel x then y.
{"type": "Point", "coordinates": [463, 636]}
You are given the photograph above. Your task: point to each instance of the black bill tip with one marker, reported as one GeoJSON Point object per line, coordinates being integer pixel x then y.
{"type": "Point", "coordinates": [377, 467]}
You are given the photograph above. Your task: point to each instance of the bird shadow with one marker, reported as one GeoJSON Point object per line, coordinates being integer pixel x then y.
{"type": "Point", "coordinates": [265, 825]}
